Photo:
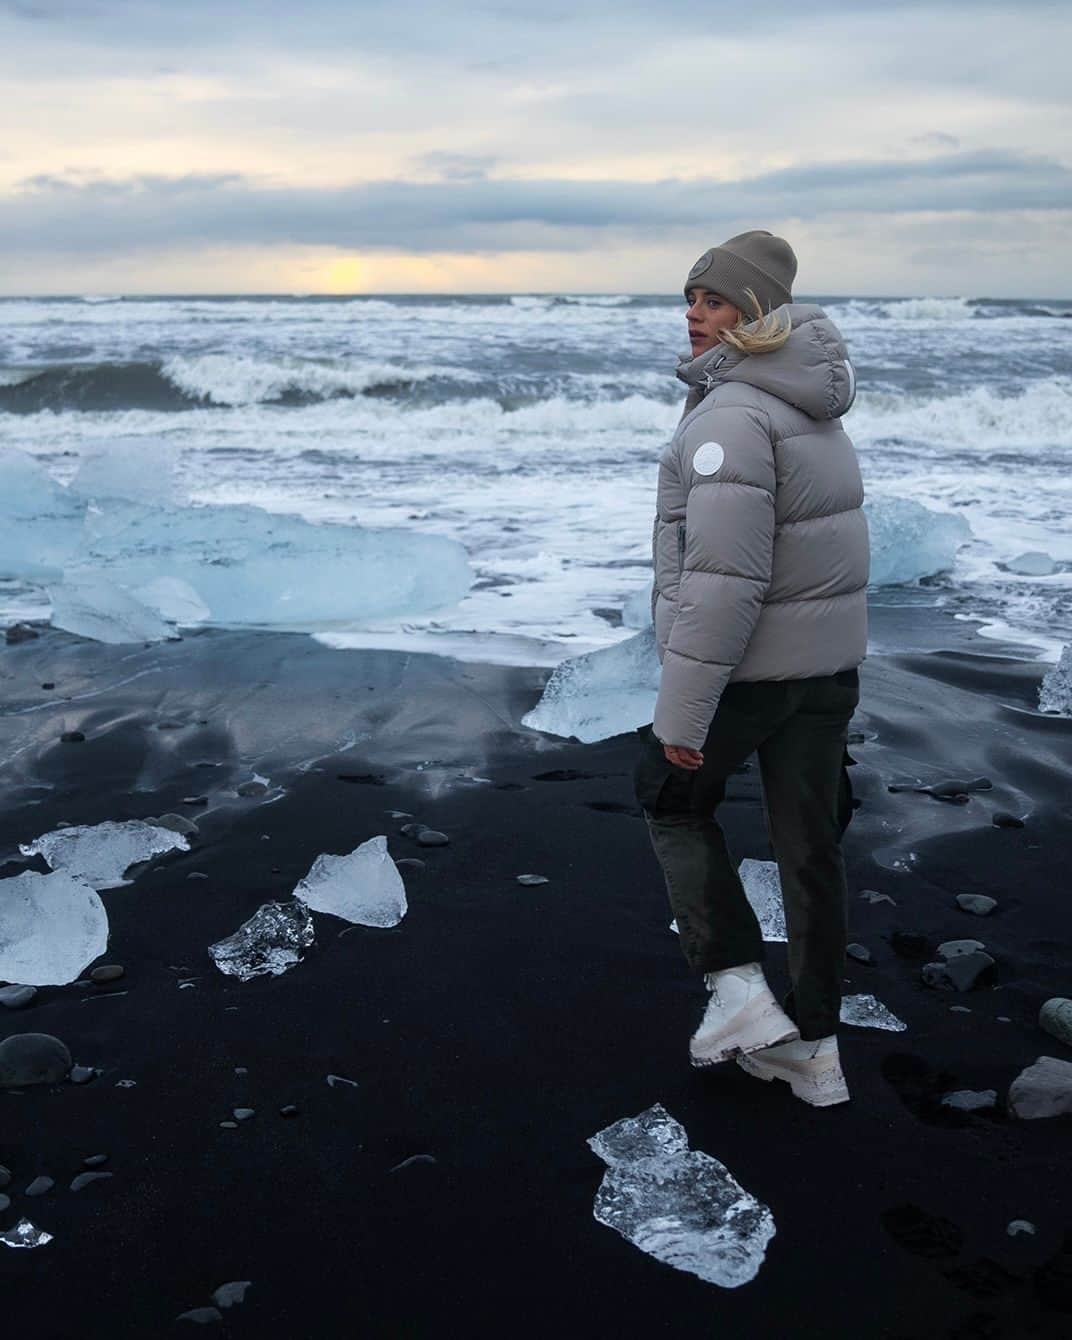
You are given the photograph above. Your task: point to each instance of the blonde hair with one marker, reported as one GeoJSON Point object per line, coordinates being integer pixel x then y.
{"type": "Point", "coordinates": [759, 334]}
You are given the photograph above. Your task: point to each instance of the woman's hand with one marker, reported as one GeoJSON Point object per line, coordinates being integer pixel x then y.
{"type": "Point", "coordinates": [683, 757]}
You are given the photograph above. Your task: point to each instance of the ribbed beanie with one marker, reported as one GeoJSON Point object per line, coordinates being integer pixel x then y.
{"type": "Point", "coordinates": [757, 260]}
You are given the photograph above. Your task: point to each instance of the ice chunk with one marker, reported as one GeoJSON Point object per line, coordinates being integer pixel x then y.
{"type": "Point", "coordinates": [141, 469]}
{"type": "Point", "coordinates": [1055, 691]}
{"type": "Point", "coordinates": [271, 941]}
{"type": "Point", "coordinates": [764, 891]}
{"type": "Point", "coordinates": [681, 1206]}
{"type": "Point", "coordinates": [51, 926]}
{"type": "Point", "coordinates": [364, 887]}
{"type": "Point", "coordinates": [1033, 563]}
{"type": "Point", "coordinates": [601, 693]}
{"type": "Point", "coordinates": [88, 604]}
{"type": "Point", "coordinates": [636, 612]}
{"type": "Point", "coordinates": [24, 1234]}
{"type": "Point", "coordinates": [866, 1012]}
{"type": "Point", "coordinates": [100, 853]}
{"type": "Point", "coordinates": [173, 599]}
{"type": "Point", "coordinates": [909, 541]}
{"type": "Point", "coordinates": [40, 522]}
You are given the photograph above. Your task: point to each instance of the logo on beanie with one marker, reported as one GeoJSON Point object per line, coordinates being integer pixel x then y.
{"type": "Point", "coordinates": [708, 458]}
{"type": "Point", "coordinates": [702, 264]}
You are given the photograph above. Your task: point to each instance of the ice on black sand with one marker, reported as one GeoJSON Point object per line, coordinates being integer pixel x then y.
{"type": "Point", "coordinates": [864, 1011]}
{"type": "Point", "coordinates": [100, 854]}
{"type": "Point", "coordinates": [270, 942]}
{"type": "Point", "coordinates": [51, 926]}
{"type": "Point", "coordinates": [24, 1234]}
{"type": "Point", "coordinates": [364, 886]}
{"type": "Point", "coordinates": [680, 1206]}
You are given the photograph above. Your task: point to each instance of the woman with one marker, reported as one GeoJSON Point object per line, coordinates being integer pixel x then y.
{"type": "Point", "coordinates": [761, 558]}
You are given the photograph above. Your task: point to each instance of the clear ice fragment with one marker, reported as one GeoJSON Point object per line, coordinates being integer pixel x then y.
{"type": "Point", "coordinates": [51, 926]}
{"type": "Point", "coordinates": [364, 887]}
{"type": "Point", "coordinates": [88, 604]}
{"type": "Point", "coordinates": [1055, 691]}
{"type": "Point", "coordinates": [602, 693]}
{"type": "Point", "coordinates": [866, 1012]}
{"type": "Point", "coordinates": [680, 1206]}
{"type": "Point", "coordinates": [763, 889]}
{"type": "Point", "coordinates": [271, 941]}
{"type": "Point", "coordinates": [24, 1234]}
{"type": "Point", "coordinates": [100, 853]}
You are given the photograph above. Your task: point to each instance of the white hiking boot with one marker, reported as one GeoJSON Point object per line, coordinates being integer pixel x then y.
{"type": "Point", "coordinates": [742, 1016]}
{"type": "Point", "coordinates": [811, 1068]}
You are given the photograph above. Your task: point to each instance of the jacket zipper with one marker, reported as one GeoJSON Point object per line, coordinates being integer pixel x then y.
{"type": "Point", "coordinates": [680, 547]}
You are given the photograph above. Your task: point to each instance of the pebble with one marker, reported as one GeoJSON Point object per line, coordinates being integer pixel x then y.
{"type": "Point", "coordinates": [333, 1080]}
{"type": "Point", "coordinates": [229, 1125]}
{"type": "Point", "coordinates": [49, 684]}
{"type": "Point", "coordinates": [243, 1113]}
{"type": "Point", "coordinates": [203, 1316]}
{"type": "Point", "coordinates": [962, 972]}
{"type": "Point", "coordinates": [873, 896]}
{"type": "Point", "coordinates": [971, 1100]}
{"type": "Point", "coordinates": [82, 1074]}
{"type": "Point", "coordinates": [1043, 1089]}
{"type": "Point", "coordinates": [20, 632]}
{"type": "Point", "coordinates": [953, 948]}
{"type": "Point", "coordinates": [32, 1058]}
{"type": "Point", "coordinates": [197, 874]}
{"type": "Point", "coordinates": [960, 1009]}
{"type": "Point", "coordinates": [176, 823]}
{"type": "Point", "coordinates": [85, 1178]}
{"type": "Point", "coordinates": [39, 1186]}
{"type": "Point", "coordinates": [107, 972]}
{"type": "Point", "coordinates": [5, 1202]}
{"type": "Point", "coordinates": [5, 1176]}
{"type": "Point", "coordinates": [1003, 819]}
{"type": "Point", "coordinates": [95, 1160]}
{"type": "Point", "coordinates": [978, 903]}
{"type": "Point", "coordinates": [411, 830]}
{"type": "Point", "coordinates": [72, 737]}
{"type": "Point", "coordinates": [859, 952]}
{"type": "Point", "coordinates": [411, 862]}
{"type": "Point", "coordinates": [16, 997]}
{"type": "Point", "coordinates": [1020, 1226]}
{"type": "Point", "coordinates": [432, 837]}
{"type": "Point", "coordinates": [251, 789]}
{"type": "Point", "coordinates": [1056, 1018]}
{"type": "Point", "coordinates": [532, 879]}
{"type": "Point", "coordinates": [290, 1110]}
{"type": "Point", "coordinates": [400, 814]}
{"type": "Point", "coordinates": [126, 1083]}
{"type": "Point", "coordinates": [194, 800]}
{"type": "Point", "coordinates": [227, 1295]}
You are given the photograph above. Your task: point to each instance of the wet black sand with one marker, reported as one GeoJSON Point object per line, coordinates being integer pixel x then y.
{"type": "Point", "coordinates": [499, 1026]}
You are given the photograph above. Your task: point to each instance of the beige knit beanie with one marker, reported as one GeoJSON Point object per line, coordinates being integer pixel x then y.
{"type": "Point", "coordinates": [757, 260]}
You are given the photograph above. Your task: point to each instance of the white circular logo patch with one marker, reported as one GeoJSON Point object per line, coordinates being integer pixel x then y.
{"type": "Point", "coordinates": [708, 458]}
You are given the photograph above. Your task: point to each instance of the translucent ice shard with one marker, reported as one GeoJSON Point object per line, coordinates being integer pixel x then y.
{"type": "Point", "coordinates": [601, 693]}
{"type": "Point", "coordinates": [101, 853]}
{"type": "Point", "coordinates": [24, 1234]}
{"type": "Point", "coordinates": [51, 926]}
{"type": "Point", "coordinates": [909, 541]}
{"type": "Point", "coordinates": [764, 891]}
{"type": "Point", "coordinates": [270, 942]}
{"type": "Point", "coordinates": [88, 604]}
{"type": "Point", "coordinates": [866, 1012]}
{"type": "Point", "coordinates": [364, 886]}
{"type": "Point", "coordinates": [1055, 691]}
{"type": "Point", "coordinates": [680, 1206]}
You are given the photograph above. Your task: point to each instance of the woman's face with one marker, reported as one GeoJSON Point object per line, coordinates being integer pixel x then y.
{"type": "Point", "coordinates": [708, 315]}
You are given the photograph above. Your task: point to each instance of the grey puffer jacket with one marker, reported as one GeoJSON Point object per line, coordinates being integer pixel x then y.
{"type": "Point", "coordinates": [760, 544]}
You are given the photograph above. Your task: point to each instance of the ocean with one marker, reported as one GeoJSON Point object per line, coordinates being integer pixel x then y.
{"type": "Point", "coordinates": [528, 428]}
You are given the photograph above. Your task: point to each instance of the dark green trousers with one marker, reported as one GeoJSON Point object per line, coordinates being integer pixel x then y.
{"type": "Point", "coordinates": [799, 729]}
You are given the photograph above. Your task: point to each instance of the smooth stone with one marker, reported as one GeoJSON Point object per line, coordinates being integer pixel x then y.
{"type": "Point", "coordinates": [400, 814]}
{"type": "Point", "coordinates": [954, 948]}
{"type": "Point", "coordinates": [72, 737]}
{"type": "Point", "coordinates": [227, 1295]}
{"type": "Point", "coordinates": [126, 1084]}
{"type": "Point", "coordinates": [5, 1202]}
{"type": "Point", "coordinates": [5, 1176]}
{"type": "Point", "coordinates": [411, 863]}
{"type": "Point", "coordinates": [251, 789]}
{"type": "Point", "coordinates": [95, 1160]}
{"type": "Point", "coordinates": [82, 1074]}
{"type": "Point", "coordinates": [1017, 1226]}
{"type": "Point", "coordinates": [1055, 1017]}
{"type": "Point", "coordinates": [16, 997]}
{"type": "Point", "coordinates": [971, 1100]}
{"type": "Point", "coordinates": [39, 1186]}
{"type": "Point", "coordinates": [85, 1178]}
{"type": "Point", "coordinates": [32, 1058]}
{"type": "Point", "coordinates": [290, 1110]}
{"type": "Point", "coordinates": [978, 903]}
{"type": "Point", "coordinates": [431, 837]}
{"type": "Point", "coordinates": [1043, 1089]}
{"type": "Point", "coordinates": [860, 953]}
{"type": "Point", "coordinates": [1003, 819]}
{"type": "Point", "coordinates": [960, 1009]}
{"type": "Point", "coordinates": [203, 1316]}
{"type": "Point", "coordinates": [963, 972]}
{"type": "Point", "coordinates": [243, 1113]}
{"type": "Point", "coordinates": [532, 880]}
{"type": "Point", "coordinates": [194, 800]}
{"type": "Point", "coordinates": [49, 684]}
{"type": "Point", "coordinates": [229, 1125]}
{"type": "Point", "coordinates": [411, 830]}
{"type": "Point", "coordinates": [197, 874]}
{"type": "Point", "coordinates": [334, 1080]}
{"type": "Point", "coordinates": [107, 972]}
{"type": "Point", "coordinates": [20, 632]}
{"type": "Point", "coordinates": [177, 823]}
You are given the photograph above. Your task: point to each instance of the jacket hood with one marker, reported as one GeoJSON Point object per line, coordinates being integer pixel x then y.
{"type": "Point", "coordinates": [811, 370]}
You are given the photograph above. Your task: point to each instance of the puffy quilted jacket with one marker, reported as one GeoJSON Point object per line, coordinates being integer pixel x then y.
{"type": "Point", "coordinates": [760, 544]}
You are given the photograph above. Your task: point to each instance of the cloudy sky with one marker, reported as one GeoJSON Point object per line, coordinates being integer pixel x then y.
{"type": "Point", "coordinates": [188, 146]}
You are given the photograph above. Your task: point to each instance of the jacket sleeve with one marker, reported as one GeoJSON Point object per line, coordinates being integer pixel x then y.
{"type": "Point", "coordinates": [727, 560]}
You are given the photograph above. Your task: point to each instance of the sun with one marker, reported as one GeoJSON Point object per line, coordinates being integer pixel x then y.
{"type": "Point", "coordinates": [345, 276]}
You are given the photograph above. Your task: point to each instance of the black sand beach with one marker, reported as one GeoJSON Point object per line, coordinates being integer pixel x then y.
{"type": "Point", "coordinates": [499, 1026]}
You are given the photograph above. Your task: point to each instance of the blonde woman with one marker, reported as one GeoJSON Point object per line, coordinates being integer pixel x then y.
{"type": "Point", "coordinates": [761, 559]}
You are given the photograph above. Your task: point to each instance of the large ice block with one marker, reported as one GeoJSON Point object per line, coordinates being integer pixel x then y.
{"type": "Point", "coordinates": [681, 1206]}
{"type": "Point", "coordinates": [364, 886]}
{"type": "Point", "coordinates": [88, 604]}
{"type": "Point", "coordinates": [51, 927]}
{"type": "Point", "coordinates": [268, 943]}
{"type": "Point", "coordinates": [602, 693]}
{"type": "Point", "coordinates": [101, 853]}
{"type": "Point", "coordinates": [910, 541]}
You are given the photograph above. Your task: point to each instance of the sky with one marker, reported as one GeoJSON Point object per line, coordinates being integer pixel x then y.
{"type": "Point", "coordinates": [196, 147]}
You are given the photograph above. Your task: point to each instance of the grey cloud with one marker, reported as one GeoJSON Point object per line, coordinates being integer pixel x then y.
{"type": "Point", "coordinates": [937, 139]}
{"type": "Point", "coordinates": [478, 214]}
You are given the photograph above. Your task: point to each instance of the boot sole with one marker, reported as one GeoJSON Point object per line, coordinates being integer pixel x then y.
{"type": "Point", "coordinates": [830, 1088]}
{"type": "Point", "coordinates": [765, 1030]}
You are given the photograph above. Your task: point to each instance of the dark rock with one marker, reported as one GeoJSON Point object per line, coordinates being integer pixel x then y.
{"type": "Point", "coordinates": [251, 789]}
{"type": "Point", "coordinates": [49, 684]}
{"type": "Point", "coordinates": [962, 972]}
{"type": "Point", "coordinates": [412, 829]}
{"type": "Point", "coordinates": [400, 814]}
{"type": "Point", "coordinates": [201, 1316]}
{"type": "Point", "coordinates": [954, 948]}
{"type": "Point", "coordinates": [82, 1074]}
{"type": "Point", "coordinates": [194, 800]}
{"type": "Point", "coordinates": [1017, 1226]}
{"type": "Point", "coordinates": [860, 953]}
{"type": "Point", "coordinates": [532, 880]}
{"type": "Point", "coordinates": [411, 862]}
{"type": "Point", "coordinates": [1003, 819]}
{"type": "Point", "coordinates": [1055, 1017]}
{"type": "Point", "coordinates": [1043, 1089]}
{"type": "Point", "coordinates": [431, 837]}
{"type": "Point", "coordinates": [85, 1178]}
{"type": "Point", "coordinates": [5, 1176]}
{"type": "Point", "coordinates": [335, 1080]}
{"type": "Point", "coordinates": [72, 737]}
{"type": "Point", "coordinates": [909, 944]}
{"type": "Point", "coordinates": [978, 903]}
{"type": "Point", "coordinates": [16, 997]}
{"type": "Point", "coordinates": [39, 1186]}
{"type": "Point", "coordinates": [5, 1202]}
{"type": "Point", "coordinates": [95, 1160]}
{"type": "Point", "coordinates": [32, 1058]}
{"type": "Point", "coordinates": [227, 1295]}
{"type": "Point", "coordinates": [290, 1110]}
{"type": "Point", "coordinates": [197, 874]}
{"type": "Point", "coordinates": [107, 972]}
{"type": "Point", "coordinates": [243, 1113]}
{"type": "Point", "coordinates": [229, 1125]}
{"type": "Point", "coordinates": [935, 975]}
{"type": "Point", "coordinates": [20, 632]}
{"type": "Point", "coordinates": [971, 1100]}
{"type": "Point", "coordinates": [177, 824]}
